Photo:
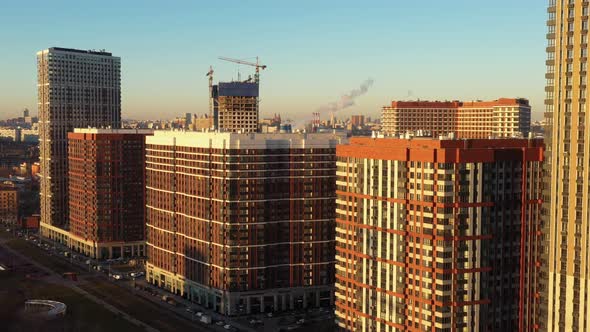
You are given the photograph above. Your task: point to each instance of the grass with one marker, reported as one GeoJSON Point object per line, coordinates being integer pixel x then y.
{"type": "Point", "coordinates": [145, 311]}
{"type": "Point", "coordinates": [82, 314]}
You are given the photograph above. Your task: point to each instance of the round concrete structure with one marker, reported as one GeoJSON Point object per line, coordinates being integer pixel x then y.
{"type": "Point", "coordinates": [45, 308]}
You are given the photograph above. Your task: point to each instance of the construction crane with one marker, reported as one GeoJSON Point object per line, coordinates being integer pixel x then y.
{"type": "Point", "coordinates": [242, 62]}
{"type": "Point", "coordinates": [210, 74]}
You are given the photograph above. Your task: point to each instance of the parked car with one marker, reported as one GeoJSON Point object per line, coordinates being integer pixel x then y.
{"type": "Point", "coordinates": [205, 319]}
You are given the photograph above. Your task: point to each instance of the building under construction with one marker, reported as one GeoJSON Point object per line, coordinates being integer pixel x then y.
{"type": "Point", "coordinates": [234, 105]}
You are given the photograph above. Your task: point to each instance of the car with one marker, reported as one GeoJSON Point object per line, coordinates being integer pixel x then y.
{"type": "Point", "coordinates": [227, 327]}
{"type": "Point", "coordinates": [220, 323]}
{"type": "Point", "coordinates": [199, 314]}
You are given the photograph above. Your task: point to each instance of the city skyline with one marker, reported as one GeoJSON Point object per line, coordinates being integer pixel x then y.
{"type": "Point", "coordinates": [318, 52]}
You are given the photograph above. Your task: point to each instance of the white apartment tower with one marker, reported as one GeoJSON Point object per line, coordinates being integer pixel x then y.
{"type": "Point", "coordinates": [76, 89]}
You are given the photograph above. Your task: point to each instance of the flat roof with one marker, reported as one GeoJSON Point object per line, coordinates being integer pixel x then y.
{"type": "Point", "coordinates": [73, 50]}
{"type": "Point", "coordinates": [230, 140]}
{"type": "Point", "coordinates": [432, 142]}
{"type": "Point", "coordinates": [112, 131]}
{"type": "Point", "coordinates": [460, 104]}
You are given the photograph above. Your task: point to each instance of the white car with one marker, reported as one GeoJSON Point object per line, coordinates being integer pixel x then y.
{"type": "Point", "coordinates": [227, 327]}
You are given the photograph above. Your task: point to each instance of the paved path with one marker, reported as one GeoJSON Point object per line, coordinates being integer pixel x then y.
{"type": "Point", "coordinates": [56, 279]}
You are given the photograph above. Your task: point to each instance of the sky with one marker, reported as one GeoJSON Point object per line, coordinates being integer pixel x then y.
{"type": "Point", "coordinates": [315, 51]}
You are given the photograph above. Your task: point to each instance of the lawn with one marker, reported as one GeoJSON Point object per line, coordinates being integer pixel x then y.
{"type": "Point", "coordinates": [147, 312]}
{"type": "Point", "coordinates": [82, 314]}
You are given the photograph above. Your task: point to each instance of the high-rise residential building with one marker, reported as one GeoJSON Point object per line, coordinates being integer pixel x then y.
{"type": "Point", "coordinates": [504, 117]}
{"type": "Point", "coordinates": [357, 120]}
{"type": "Point", "coordinates": [566, 270]}
{"type": "Point", "coordinates": [107, 192]}
{"type": "Point", "coordinates": [8, 204]}
{"type": "Point", "coordinates": [437, 235]}
{"type": "Point", "coordinates": [242, 223]}
{"type": "Point", "coordinates": [76, 89]}
{"type": "Point", "coordinates": [235, 106]}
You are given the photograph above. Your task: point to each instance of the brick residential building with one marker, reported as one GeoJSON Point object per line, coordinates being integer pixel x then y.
{"type": "Point", "coordinates": [504, 117]}
{"type": "Point", "coordinates": [106, 189]}
{"type": "Point", "coordinates": [437, 235]}
{"type": "Point", "coordinates": [8, 203]}
{"type": "Point", "coordinates": [242, 223]}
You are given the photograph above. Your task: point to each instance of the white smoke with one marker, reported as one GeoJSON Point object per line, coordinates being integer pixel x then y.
{"type": "Point", "coordinates": [346, 100]}
{"type": "Point", "coordinates": [343, 102]}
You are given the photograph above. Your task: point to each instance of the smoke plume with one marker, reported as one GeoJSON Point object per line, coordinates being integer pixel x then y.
{"type": "Point", "coordinates": [343, 102]}
{"type": "Point", "coordinates": [347, 100]}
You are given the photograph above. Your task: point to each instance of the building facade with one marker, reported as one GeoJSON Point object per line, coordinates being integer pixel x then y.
{"type": "Point", "coordinates": [107, 192]}
{"type": "Point", "coordinates": [242, 223]}
{"type": "Point", "coordinates": [76, 89]}
{"type": "Point", "coordinates": [437, 235]}
{"type": "Point", "coordinates": [8, 204]}
{"type": "Point", "coordinates": [565, 265]}
{"type": "Point", "coordinates": [504, 117]}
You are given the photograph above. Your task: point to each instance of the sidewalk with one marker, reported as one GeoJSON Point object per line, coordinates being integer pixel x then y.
{"type": "Point", "coordinates": [186, 303]}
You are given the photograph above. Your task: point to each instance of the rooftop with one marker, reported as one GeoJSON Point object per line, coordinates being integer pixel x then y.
{"type": "Point", "coordinates": [73, 50]}
{"type": "Point", "coordinates": [459, 104]}
{"type": "Point", "coordinates": [112, 131]}
{"type": "Point", "coordinates": [230, 140]}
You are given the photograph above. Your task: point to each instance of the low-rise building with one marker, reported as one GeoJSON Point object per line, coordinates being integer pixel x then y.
{"type": "Point", "coordinates": [8, 203]}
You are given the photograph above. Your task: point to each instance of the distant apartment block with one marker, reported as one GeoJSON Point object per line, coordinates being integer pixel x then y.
{"type": "Point", "coordinates": [357, 120]}
{"type": "Point", "coordinates": [8, 204]}
{"type": "Point", "coordinates": [242, 223]}
{"type": "Point", "coordinates": [478, 119]}
{"type": "Point", "coordinates": [437, 235]}
{"type": "Point", "coordinates": [76, 89]}
{"type": "Point", "coordinates": [106, 192]}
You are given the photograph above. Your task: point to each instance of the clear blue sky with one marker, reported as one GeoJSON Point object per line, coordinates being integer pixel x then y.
{"type": "Point", "coordinates": [315, 50]}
